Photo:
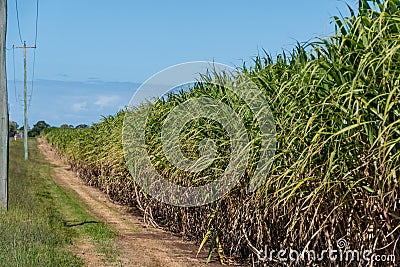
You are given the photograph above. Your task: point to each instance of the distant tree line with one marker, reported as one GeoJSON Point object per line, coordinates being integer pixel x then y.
{"type": "Point", "coordinates": [14, 128]}
{"type": "Point", "coordinates": [38, 128]}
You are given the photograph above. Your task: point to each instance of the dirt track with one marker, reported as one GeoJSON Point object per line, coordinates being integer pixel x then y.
{"type": "Point", "coordinates": [139, 244]}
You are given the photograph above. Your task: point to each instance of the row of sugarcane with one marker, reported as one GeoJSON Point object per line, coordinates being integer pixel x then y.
{"type": "Point", "coordinates": [335, 174]}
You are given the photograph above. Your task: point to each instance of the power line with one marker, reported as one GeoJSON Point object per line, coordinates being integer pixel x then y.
{"type": "Point", "coordinates": [33, 76]}
{"type": "Point", "coordinates": [37, 19]}
{"type": "Point", "coordinates": [19, 28]}
{"type": "Point", "coordinates": [15, 83]}
{"type": "Point", "coordinates": [34, 52]}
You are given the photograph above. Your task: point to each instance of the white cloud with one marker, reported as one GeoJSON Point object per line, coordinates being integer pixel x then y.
{"type": "Point", "coordinates": [107, 101]}
{"type": "Point", "coordinates": [77, 107]}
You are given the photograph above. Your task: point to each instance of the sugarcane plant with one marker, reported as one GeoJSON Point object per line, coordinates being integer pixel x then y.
{"type": "Point", "coordinates": [335, 173]}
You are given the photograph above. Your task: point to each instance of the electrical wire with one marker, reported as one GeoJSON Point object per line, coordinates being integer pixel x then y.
{"type": "Point", "coordinates": [33, 77]}
{"type": "Point", "coordinates": [37, 19]}
{"type": "Point", "coordinates": [15, 83]}
{"type": "Point", "coordinates": [19, 28]}
{"type": "Point", "coordinates": [34, 52]}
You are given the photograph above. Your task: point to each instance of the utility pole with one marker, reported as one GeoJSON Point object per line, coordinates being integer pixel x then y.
{"type": "Point", "coordinates": [25, 101]}
{"type": "Point", "coordinates": [3, 109]}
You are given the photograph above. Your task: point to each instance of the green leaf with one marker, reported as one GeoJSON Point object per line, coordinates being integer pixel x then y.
{"type": "Point", "coordinates": [369, 189]}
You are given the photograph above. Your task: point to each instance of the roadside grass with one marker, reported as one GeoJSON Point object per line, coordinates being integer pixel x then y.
{"type": "Point", "coordinates": [44, 219]}
{"type": "Point", "coordinates": [76, 217]}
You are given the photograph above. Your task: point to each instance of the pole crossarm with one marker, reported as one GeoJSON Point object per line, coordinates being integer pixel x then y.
{"type": "Point", "coordinates": [24, 46]}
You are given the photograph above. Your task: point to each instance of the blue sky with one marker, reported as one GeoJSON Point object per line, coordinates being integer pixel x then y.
{"type": "Point", "coordinates": [92, 55]}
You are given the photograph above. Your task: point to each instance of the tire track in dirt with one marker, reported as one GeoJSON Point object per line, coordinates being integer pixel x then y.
{"type": "Point", "coordinates": [139, 244]}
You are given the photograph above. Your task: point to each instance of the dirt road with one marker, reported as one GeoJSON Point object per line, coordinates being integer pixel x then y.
{"type": "Point", "coordinates": [138, 243]}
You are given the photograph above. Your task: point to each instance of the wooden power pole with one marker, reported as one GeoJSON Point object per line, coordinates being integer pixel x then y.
{"type": "Point", "coordinates": [3, 109]}
{"type": "Point", "coordinates": [25, 101]}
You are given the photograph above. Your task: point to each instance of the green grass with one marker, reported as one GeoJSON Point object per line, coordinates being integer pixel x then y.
{"type": "Point", "coordinates": [75, 216]}
{"type": "Point", "coordinates": [44, 219]}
